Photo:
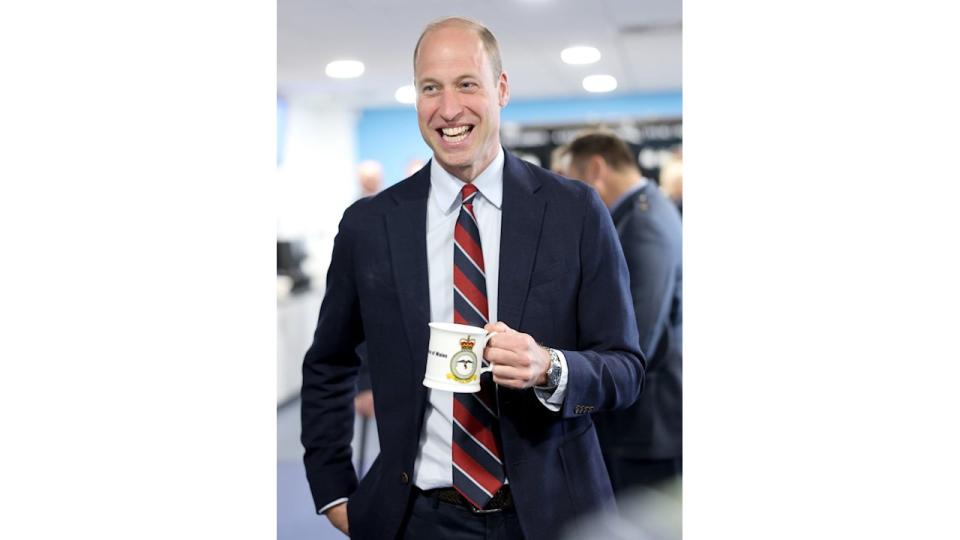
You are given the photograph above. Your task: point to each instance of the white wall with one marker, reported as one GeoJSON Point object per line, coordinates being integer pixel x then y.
{"type": "Point", "coordinates": [316, 181]}
{"type": "Point", "coordinates": [317, 178]}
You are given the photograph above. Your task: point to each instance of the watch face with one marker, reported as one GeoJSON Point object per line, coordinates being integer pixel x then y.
{"type": "Point", "coordinates": [553, 372]}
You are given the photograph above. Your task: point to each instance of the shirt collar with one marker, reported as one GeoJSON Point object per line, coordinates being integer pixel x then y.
{"type": "Point", "coordinates": [620, 200]}
{"type": "Point", "coordinates": [445, 188]}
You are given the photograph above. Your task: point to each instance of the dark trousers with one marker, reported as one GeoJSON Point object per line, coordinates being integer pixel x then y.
{"type": "Point", "coordinates": [430, 519]}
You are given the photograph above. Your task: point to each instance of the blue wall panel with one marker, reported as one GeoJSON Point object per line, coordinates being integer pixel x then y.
{"type": "Point", "coordinates": [390, 135]}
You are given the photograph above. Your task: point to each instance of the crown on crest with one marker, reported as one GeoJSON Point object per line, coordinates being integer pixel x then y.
{"type": "Point", "coordinates": [467, 343]}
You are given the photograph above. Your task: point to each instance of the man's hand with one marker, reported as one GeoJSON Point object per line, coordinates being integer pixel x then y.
{"type": "Point", "coordinates": [338, 516]}
{"type": "Point", "coordinates": [363, 403]}
{"type": "Point", "coordinates": [518, 361]}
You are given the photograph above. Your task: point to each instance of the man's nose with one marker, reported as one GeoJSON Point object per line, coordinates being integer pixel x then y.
{"type": "Point", "coordinates": [450, 107]}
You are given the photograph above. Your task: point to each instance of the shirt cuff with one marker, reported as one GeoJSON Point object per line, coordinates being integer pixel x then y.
{"type": "Point", "coordinates": [554, 400]}
{"type": "Point", "coordinates": [331, 505]}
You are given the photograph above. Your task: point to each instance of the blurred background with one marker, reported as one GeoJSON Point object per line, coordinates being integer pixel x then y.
{"type": "Point", "coordinates": [347, 128]}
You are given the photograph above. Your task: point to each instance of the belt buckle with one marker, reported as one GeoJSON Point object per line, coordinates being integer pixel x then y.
{"type": "Point", "coordinates": [487, 511]}
{"type": "Point", "coordinates": [498, 499]}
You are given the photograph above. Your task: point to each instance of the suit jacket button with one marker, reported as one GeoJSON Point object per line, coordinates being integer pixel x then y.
{"type": "Point", "coordinates": [405, 478]}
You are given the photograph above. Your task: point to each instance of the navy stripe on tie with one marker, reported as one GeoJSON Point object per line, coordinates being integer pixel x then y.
{"type": "Point", "coordinates": [481, 409]}
{"type": "Point", "coordinates": [470, 226]}
{"type": "Point", "coordinates": [468, 488]}
{"type": "Point", "coordinates": [476, 450]}
{"type": "Point", "coordinates": [468, 311]}
{"type": "Point", "coordinates": [473, 272]}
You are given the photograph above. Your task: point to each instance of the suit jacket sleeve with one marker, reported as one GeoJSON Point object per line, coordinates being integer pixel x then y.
{"type": "Point", "coordinates": [650, 260]}
{"type": "Point", "coordinates": [329, 378]}
{"type": "Point", "coordinates": [607, 371]}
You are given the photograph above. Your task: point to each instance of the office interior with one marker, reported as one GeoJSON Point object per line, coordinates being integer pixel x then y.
{"type": "Point", "coordinates": [331, 126]}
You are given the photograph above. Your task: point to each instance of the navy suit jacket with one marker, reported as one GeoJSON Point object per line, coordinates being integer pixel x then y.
{"type": "Point", "coordinates": [649, 228]}
{"type": "Point", "coordinates": [563, 280]}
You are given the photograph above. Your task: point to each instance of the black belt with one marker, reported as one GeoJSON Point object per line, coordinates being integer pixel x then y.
{"type": "Point", "coordinates": [502, 500]}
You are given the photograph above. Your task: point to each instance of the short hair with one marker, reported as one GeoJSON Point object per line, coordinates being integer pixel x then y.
{"type": "Point", "coordinates": [606, 145]}
{"type": "Point", "coordinates": [486, 36]}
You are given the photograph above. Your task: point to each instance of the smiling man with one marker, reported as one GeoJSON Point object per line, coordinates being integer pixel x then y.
{"type": "Point", "coordinates": [476, 237]}
{"type": "Point", "coordinates": [461, 88]}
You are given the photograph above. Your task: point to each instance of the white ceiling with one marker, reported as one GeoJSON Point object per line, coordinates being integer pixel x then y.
{"type": "Point", "coordinates": [640, 41]}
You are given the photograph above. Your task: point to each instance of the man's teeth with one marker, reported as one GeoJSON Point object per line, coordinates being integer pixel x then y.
{"type": "Point", "coordinates": [455, 134]}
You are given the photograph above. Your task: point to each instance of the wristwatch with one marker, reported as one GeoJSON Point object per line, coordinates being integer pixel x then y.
{"type": "Point", "coordinates": [553, 370]}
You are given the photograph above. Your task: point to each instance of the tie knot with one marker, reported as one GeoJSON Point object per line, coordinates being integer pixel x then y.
{"type": "Point", "coordinates": [467, 193]}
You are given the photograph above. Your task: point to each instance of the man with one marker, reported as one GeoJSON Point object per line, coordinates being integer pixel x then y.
{"type": "Point", "coordinates": [370, 177]}
{"type": "Point", "coordinates": [671, 179]}
{"type": "Point", "coordinates": [560, 160]}
{"type": "Point", "coordinates": [642, 445]}
{"type": "Point", "coordinates": [476, 236]}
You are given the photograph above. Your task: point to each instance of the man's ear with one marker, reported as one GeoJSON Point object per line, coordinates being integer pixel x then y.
{"type": "Point", "coordinates": [503, 89]}
{"type": "Point", "coordinates": [596, 169]}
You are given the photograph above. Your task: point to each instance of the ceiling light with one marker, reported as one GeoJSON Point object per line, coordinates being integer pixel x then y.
{"type": "Point", "coordinates": [580, 55]}
{"type": "Point", "coordinates": [344, 69]}
{"type": "Point", "coordinates": [599, 83]}
{"type": "Point", "coordinates": [406, 95]}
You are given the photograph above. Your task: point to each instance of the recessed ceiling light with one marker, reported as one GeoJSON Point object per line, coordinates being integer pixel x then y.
{"type": "Point", "coordinates": [580, 55]}
{"type": "Point", "coordinates": [599, 83]}
{"type": "Point", "coordinates": [344, 69]}
{"type": "Point", "coordinates": [406, 95]}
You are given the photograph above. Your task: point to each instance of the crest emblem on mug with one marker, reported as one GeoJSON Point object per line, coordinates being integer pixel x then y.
{"type": "Point", "coordinates": [463, 365]}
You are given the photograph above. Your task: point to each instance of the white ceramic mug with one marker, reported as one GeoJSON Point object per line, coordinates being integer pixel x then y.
{"type": "Point", "coordinates": [454, 357]}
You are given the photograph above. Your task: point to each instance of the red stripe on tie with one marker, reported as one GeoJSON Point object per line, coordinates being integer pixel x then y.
{"type": "Point", "coordinates": [465, 241]}
{"type": "Point", "coordinates": [458, 318]}
{"type": "Point", "coordinates": [470, 291]}
{"type": "Point", "coordinates": [474, 470]}
{"type": "Point", "coordinates": [475, 427]}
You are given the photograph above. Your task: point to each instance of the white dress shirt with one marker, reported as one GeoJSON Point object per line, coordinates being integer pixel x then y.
{"type": "Point", "coordinates": [434, 466]}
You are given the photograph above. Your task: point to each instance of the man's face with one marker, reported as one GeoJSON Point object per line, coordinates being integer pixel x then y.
{"type": "Point", "coordinates": [458, 100]}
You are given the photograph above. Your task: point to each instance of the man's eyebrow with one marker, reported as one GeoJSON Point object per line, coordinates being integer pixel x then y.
{"type": "Point", "coordinates": [458, 79]}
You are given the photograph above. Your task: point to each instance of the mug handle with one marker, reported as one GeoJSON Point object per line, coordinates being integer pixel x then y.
{"type": "Point", "coordinates": [489, 367]}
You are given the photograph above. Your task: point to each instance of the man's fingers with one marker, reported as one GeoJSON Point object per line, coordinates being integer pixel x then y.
{"type": "Point", "coordinates": [511, 342]}
{"type": "Point", "coordinates": [502, 356]}
{"type": "Point", "coordinates": [513, 377]}
{"type": "Point", "coordinates": [498, 326]}
{"type": "Point", "coordinates": [506, 374]}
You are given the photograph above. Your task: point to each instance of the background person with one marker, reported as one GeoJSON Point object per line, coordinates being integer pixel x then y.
{"type": "Point", "coordinates": [643, 444]}
{"type": "Point", "coordinates": [369, 177]}
{"type": "Point", "coordinates": [560, 160]}
{"type": "Point", "coordinates": [671, 179]}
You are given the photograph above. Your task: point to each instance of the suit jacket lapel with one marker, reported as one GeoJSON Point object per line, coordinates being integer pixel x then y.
{"type": "Point", "coordinates": [407, 236]}
{"type": "Point", "coordinates": [520, 225]}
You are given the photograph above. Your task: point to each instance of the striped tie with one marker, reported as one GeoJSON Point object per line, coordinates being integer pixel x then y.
{"type": "Point", "coordinates": [477, 464]}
